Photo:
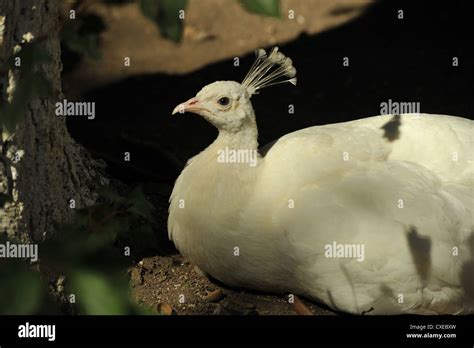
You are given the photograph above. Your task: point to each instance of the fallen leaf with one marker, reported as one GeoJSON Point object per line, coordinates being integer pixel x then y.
{"type": "Point", "coordinates": [214, 296]}
{"type": "Point", "coordinates": [300, 308]}
{"type": "Point", "coordinates": [164, 309]}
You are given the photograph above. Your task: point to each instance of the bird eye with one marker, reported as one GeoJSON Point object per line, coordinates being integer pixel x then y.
{"type": "Point", "coordinates": [224, 101]}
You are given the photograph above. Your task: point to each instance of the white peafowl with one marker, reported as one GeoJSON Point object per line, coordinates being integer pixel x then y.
{"type": "Point", "coordinates": [370, 216]}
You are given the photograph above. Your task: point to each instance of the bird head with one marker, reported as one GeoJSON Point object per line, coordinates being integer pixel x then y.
{"type": "Point", "coordinates": [227, 105]}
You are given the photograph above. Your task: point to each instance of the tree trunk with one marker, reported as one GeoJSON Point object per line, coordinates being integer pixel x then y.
{"type": "Point", "coordinates": [53, 169]}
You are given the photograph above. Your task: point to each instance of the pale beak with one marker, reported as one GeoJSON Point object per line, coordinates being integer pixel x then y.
{"type": "Point", "coordinates": [192, 105]}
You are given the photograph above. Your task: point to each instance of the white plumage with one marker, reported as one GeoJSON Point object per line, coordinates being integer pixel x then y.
{"type": "Point", "coordinates": [404, 202]}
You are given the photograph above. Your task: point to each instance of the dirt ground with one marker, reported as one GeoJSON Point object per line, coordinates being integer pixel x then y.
{"type": "Point", "coordinates": [172, 285]}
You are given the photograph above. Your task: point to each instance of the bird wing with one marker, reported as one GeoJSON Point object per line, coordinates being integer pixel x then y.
{"type": "Point", "coordinates": [443, 144]}
{"type": "Point", "coordinates": [401, 193]}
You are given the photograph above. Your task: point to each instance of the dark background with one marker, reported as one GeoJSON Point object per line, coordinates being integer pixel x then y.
{"type": "Point", "coordinates": [407, 60]}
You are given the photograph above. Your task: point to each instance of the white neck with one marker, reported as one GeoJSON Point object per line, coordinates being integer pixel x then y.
{"type": "Point", "coordinates": [245, 139]}
{"type": "Point", "coordinates": [217, 191]}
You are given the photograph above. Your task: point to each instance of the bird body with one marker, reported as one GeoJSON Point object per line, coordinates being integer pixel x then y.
{"type": "Point", "coordinates": [373, 215]}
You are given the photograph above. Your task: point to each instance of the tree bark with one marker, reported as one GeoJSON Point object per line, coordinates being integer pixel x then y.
{"type": "Point", "coordinates": [53, 169]}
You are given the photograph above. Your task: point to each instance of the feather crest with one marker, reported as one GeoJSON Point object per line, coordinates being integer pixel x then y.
{"type": "Point", "coordinates": [268, 70]}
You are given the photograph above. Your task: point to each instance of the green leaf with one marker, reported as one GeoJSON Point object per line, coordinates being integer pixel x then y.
{"type": "Point", "coordinates": [263, 7]}
{"type": "Point", "coordinates": [149, 9]}
{"type": "Point", "coordinates": [166, 14]}
{"type": "Point", "coordinates": [21, 290]}
{"type": "Point", "coordinates": [144, 238]}
{"type": "Point", "coordinates": [140, 205]}
{"type": "Point", "coordinates": [81, 35]}
{"type": "Point", "coordinates": [110, 194]}
{"type": "Point", "coordinates": [97, 295]}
